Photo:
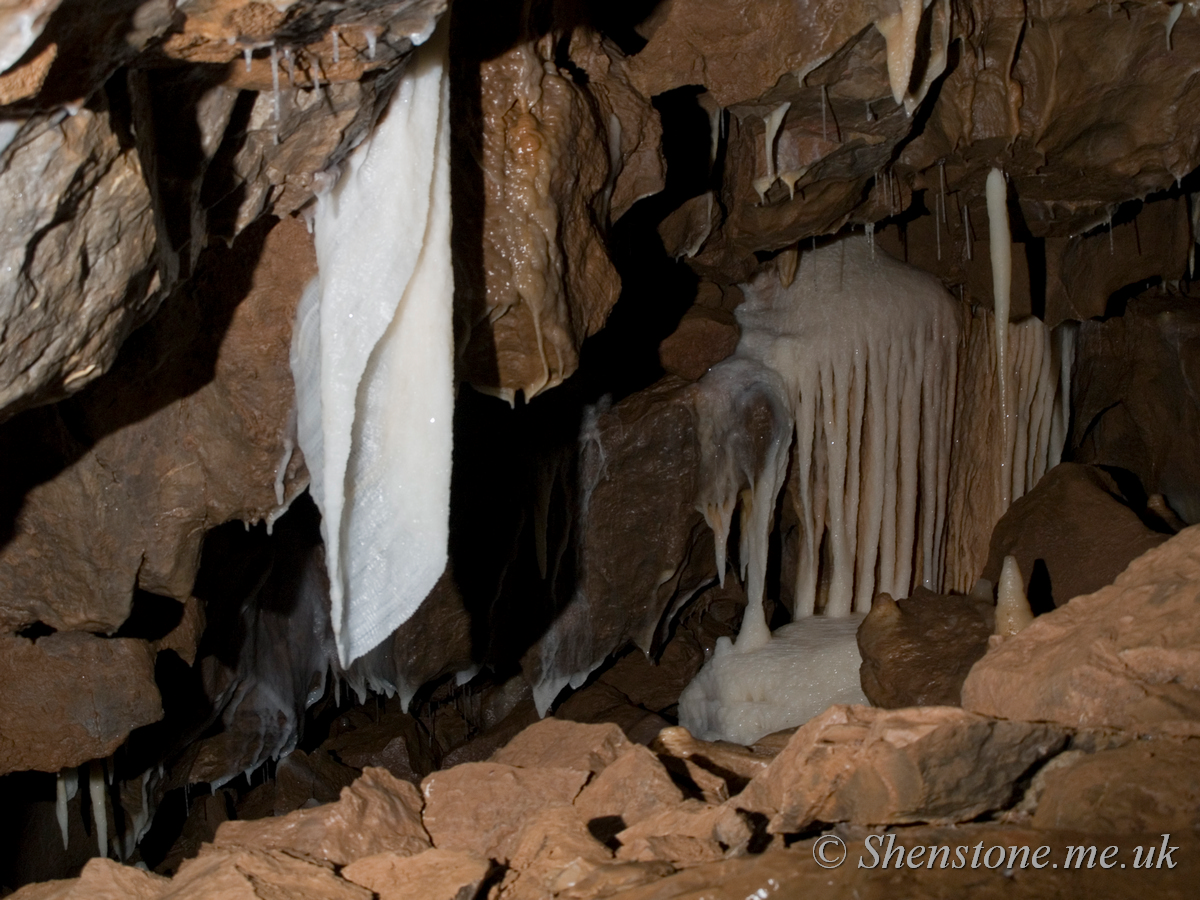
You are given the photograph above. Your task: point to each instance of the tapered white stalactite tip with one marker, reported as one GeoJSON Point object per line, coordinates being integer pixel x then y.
{"type": "Point", "coordinates": [1012, 606]}
{"type": "Point", "coordinates": [1000, 244]}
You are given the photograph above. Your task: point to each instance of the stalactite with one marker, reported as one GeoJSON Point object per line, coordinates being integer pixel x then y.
{"type": "Point", "coordinates": [372, 361]}
{"type": "Point", "coordinates": [1000, 242]}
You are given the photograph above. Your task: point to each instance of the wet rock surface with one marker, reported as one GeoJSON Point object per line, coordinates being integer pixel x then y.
{"type": "Point", "coordinates": [1123, 657]}
{"type": "Point", "coordinates": [72, 697]}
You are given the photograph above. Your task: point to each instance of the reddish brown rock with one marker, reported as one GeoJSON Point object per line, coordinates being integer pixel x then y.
{"type": "Point", "coordinates": [240, 874]}
{"type": "Point", "coordinates": [118, 484]}
{"type": "Point", "coordinates": [72, 697]}
{"type": "Point", "coordinates": [101, 879]}
{"type": "Point", "coordinates": [78, 255]}
{"type": "Point", "coordinates": [918, 651]}
{"type": "Point", "coordinates": [1143, 787]}
{"type": "Point", "coordinates": [703, 338]}
{"type": "Point", "coordinates": [376, 814]}
{"type": "Point", "coordinates": [633, 787]}
{"type": "Point", "coordinates": [685, 835]}
{"type": "Point", "coordinates": [1127, 656]}
{"type": "Point", "coordinates": [643, 458]}
{"type": "Point", "coordinates": [431, 875]}
{"type": "Point", "coordinates": [481, 808]}
{"type": "Point", "coordinates": [554, 853]}
{"type": "Point", "coordinates": [558, 743]}
{"type": "Point", "coordinates": [873, 767]}
{"type": "Point", "coordinates": [528, 207]}
{"type": "Point", "coordinates": [1072, 534]}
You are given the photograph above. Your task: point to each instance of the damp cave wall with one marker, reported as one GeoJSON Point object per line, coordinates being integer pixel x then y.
{"type": "Point", "coordinates": [155, 238]}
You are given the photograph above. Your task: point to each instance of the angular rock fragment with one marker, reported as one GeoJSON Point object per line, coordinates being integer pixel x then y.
{"type": "Point", "coordinates": [1143, 787]}
{"type": "Point", "coordinates": [633, 787]}
{"type": "Point", "coordinates": [554, 853]}
{"type": "Point", "coordinates": [431, 875]}
{"type": "Point", "coordinates": [918, 651]}
{"type": "Point", "coordinates": [874, 767]}
{"type": "Point", "coordinates": [1127, 656]}
{"type": "Point", "coordinates": [101, 879]}
{"type": "Point", "coordinates": [241, 874]}
{"type": "Point", "coordinates": [78, 248]}
{"type": "Point", "coordinates": [376, 814]}
{"type": "Point", "coordinates": [558, 743]}
{"type": "Point", "coordinates": [71, 697]}
{"type": "Point", "coordinates": [481, 808]}
{"type": "Point", "coordinates": [118, 485]}
{"type": "Point", "coordinates": [685, 835]}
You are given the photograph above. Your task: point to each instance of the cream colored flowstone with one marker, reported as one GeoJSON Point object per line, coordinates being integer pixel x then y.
{"type": "Point", "coordinates": [856, 359]}
{"type": "Point", "coordinates": [372, 358]}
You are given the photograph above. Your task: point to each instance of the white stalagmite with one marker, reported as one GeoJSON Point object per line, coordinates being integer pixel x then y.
{"type": "Point", "coordinates": [1012, 606]}
{"type": "Point", "coordinates": [372, 359]}
{"type": "Point", "coordinates": [1000, 244]}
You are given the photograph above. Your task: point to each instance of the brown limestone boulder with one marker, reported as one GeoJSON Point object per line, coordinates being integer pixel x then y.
{"type": "Point", "coordinates": [534, 194]}
{"type": "Point", "coordinates": [687, 834]}
{"type": "Point", "coordinates": [871, 766]}
{"type": "Point", "coordinates": [431, 875]}
{"type": "Point", "coordinates": [1072, 534]}
{"type": "Point", "coordinates": [117, 485]}
{"type": "Point", "coordinates": [1143, 787]}
{"type": "Point", "coordinates": [555, 851]}
{"type": "Point", "coordinates": [71, 697]}
{"type": "Point", "coordinates": [702, 339]}
{"type": "Point", "coordinates": [481, 808]}
{"type": "Point", "coordinates": [377, 813]}
{"type": "Point", "coordinates": [644, 545]}
{"type": "Point", "coordinates": [78, 250]}
{"type": "Point", "coordinates": [918, 651]}
{"type": "Point", "coordinates": [555, 743]}
{"type": "Point", "coordinates": [1127, 656]}
{"type": "Point", "coordinates": [633, 787]}
{"type": "Point", "coordinates": [1133, 390]}
{"type": "Point", "coordinates": [242, 874]}
{"type": "Point", "coordinates": [101, 879]}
